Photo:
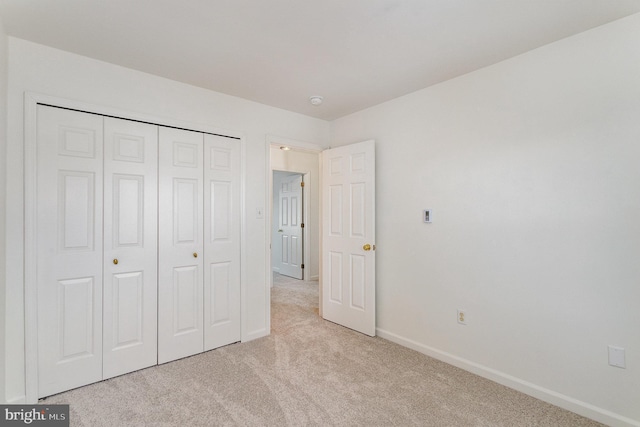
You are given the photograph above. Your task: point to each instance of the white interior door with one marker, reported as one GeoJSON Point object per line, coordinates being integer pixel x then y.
{"type": "Point", "coordinates": [290, 226]}
{"type": "Point", "coordinates": [69, 249]}
{"type": "Point", "coordinates": [348, 236]}
{"type": "Point", "coordinates": [130, 246]}
{"type": "Point", "coordinates": [180, 237]}
{"type": "Point", "coordinates": [221, 241]}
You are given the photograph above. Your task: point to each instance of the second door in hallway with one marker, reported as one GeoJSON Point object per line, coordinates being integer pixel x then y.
{"type": "Point", "coordinates": [291, 225]}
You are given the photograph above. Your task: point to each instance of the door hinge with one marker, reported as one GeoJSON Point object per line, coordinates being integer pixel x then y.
{"type": "Point", "coordinates": [302, 184]}
{"type": "Point", "coordinates": [302, 225]}
{"type": "Point", "coordinates": [301, 265]}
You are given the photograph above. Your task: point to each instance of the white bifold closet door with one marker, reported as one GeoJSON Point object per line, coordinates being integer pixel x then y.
{"type": "Point", "coordinates": [180, 277]}
{"type": "Point", "coordinates": [199, 234]}
{"type": "Point", "coordinates": [221, 241]}
{"type": "Point", "coordinates": [96, 319]}
{"type": "Point", "coordinates": [130, 246]}
{"type": "Point", "coordinates": [138, 246]}
{"type": "Point", "coordinates": [69, 257]}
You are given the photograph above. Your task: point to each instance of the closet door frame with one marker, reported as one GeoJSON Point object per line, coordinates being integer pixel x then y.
{"type": "Point", "coordinates": [31, 101]}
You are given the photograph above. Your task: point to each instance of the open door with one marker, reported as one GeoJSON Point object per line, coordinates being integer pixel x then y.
{"type": "Point", "coordinates": [290, 226]}
{"type": "Point", "coordinates": [348, 236]}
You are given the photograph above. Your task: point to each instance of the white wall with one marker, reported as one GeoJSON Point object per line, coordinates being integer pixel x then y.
{"type": "Point", "coordinates": [3, 145]}
{"type": "Point", "coordinates": [306, 163]}
{"type": "Point", "coordinates": [532, 169]}
{"type": "Point", "coordinates": [56, 73]}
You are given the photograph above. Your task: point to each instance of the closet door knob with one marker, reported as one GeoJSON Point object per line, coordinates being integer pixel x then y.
{"type": "Point", "coordinates": [195, 254]}
{"type": "Point", "coordinates": [115, 261]}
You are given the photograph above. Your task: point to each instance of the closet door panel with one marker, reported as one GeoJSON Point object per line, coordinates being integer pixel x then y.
{"type": "Point", "coordinates": [69, 249]}
{"type": "Point", "coordinates": [222, 241]}
{"type": "Point", "coordinates": [130, 246]}
{"type": "Point", "coordinates": [180, 304]}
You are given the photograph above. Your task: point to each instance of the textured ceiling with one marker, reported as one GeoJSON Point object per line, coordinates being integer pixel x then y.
{"type": "Point", "coordinates": [355, 53]}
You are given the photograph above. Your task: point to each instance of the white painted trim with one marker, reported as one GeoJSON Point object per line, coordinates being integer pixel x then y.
{"type": "Point", "coordinates": [312, 278]}
{"type": "Point", "coordinates": [549, 396]}
{"type": "Point", "coordinates": [30, 245]}
{"type": "Point", "coordinates": [244, 300]}
{"type": "Point", "coordinates": [18, 400]}
{"type": "Point", "coordinates": [306, 212]}
{"type": "Point", "coordinates": [267, 227]}
{"type": "Point", "coordinates": [320, 231]}
{"type": "Point", "coordinates": [31, 100]}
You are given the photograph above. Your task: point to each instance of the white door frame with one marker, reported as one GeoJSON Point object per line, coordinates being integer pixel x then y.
{"type": "Point", "coordinates": [31, 100]}
{"type": "Point", "coordinates": [276, 141]}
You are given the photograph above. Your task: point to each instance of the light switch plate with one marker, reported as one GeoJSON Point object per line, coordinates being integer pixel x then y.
{"type": "Point", "coordinates": [616, 357]}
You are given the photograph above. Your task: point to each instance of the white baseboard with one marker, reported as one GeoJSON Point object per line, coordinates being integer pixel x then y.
{"type": "Point", "coordinates": [549, 396]}
{"type": "Point", "coordinates": [20, 400]}
{"type": "Point", "coordinates": [313, 278]}
{"type": "Point", "coordinates": [276, 269]}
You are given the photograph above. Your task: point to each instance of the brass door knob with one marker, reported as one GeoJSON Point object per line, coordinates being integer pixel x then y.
{"type": "Point", "coordinates": [115, 261]}
{"type": "Point", "coordinates": [367, 247]}
{"type": "Point", "coordinates": [195, 254]}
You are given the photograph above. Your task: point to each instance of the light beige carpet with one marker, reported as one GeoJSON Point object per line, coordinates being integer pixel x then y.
{"type": "Point", "coordinates": [307, 372]}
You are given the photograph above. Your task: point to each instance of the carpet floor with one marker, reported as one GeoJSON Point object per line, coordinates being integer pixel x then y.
{"type": "Point", "coordinates": [307, 372]}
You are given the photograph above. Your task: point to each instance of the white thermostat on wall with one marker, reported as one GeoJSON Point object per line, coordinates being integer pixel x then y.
{"type": "Point", "coordinates": [427, 215]}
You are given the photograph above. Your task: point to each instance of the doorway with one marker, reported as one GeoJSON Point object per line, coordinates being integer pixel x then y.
{"type": "Point", "coordinates": [290, 166]}
{"type": "Point", "coordinates": [346, 272]}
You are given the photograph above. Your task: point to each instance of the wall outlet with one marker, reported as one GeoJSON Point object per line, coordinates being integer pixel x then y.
{"type": "Point", "coordinates": [462, 317]}
{"type": "Point", "coordinates": [616, 357]}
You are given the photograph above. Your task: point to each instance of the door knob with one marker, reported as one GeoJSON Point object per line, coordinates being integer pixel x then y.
{"type": "Point", "coordinates": [115, 261]}
{"type": "Point", "coordinates": [195, 254]}
{"type": "Point", "coordinates": [367, 247]}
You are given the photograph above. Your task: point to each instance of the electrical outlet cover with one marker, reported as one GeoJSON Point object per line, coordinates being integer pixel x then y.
{"type": "Point", "coordinates": [616, 357]}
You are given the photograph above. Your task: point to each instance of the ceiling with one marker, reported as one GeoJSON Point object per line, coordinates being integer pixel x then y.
{"type": "Point", "coordinates": [354, 53]}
